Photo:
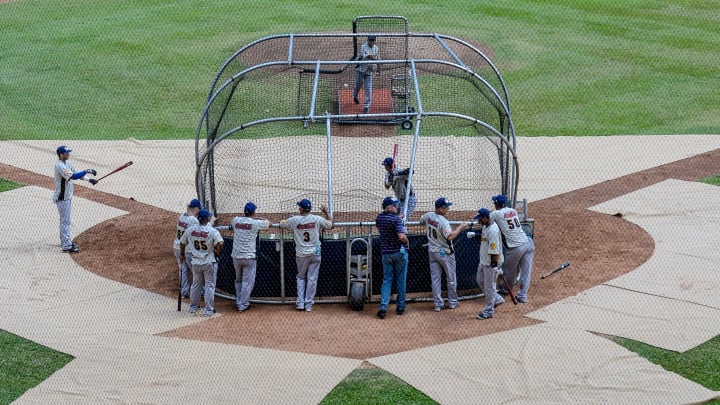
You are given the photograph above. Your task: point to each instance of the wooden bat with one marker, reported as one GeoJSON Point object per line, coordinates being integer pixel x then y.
{"type": "Point", "coordinates": [117, 170]}
{"type": "Point", "coordinates": [509, 289]}
{"type": "Point", "coordinates": [560, 267]}
{"type": "Point", "coordinates": [395, 153]}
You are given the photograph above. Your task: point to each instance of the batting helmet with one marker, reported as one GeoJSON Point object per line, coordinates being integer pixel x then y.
{"type": "Point", "coordinates": [499, 200]}
{"type": "Point", "coordinates": [63, 149]}
{"type": "Point", "coordinates": [388, 161]}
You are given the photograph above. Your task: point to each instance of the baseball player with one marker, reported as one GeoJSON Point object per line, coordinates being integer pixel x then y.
{"type": "Point", "coordinates": [441, 253]}
{"type": "Point", "coordinates": [245, 231]}
{"type": "Point", "coordinates": [205, 244]}
{"type": "Point", "coordinates": [491, 258]}
{"type": "Point", "coordinates": [397, 178]}
{"type": "Point", "coordinates": [306, 229]}
{"type": "Point", "coordinates": [364, 72]}
{"type": "Point", "coordinates": [519, 249]}
{"type": "Point", "coordinates": [186, 219]}
{"type": "Point", "coordinates": [65, 175]}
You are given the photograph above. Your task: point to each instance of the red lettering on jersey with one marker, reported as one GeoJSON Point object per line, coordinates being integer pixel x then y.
{"type": "Point", "coordinates": [182, 224]}
{"type": "Point", "coordinates": [199, 234]}
{"type": "Point", "coordinates": [509, 214]}
{"type": "Point", "coordinates": [432, 223]}
{"type": "Point", "coordinates": [306, 226]}
{"type": "Point", "coordinates": [243, 226]}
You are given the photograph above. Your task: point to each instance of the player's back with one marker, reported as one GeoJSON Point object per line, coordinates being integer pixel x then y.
{"type": "Point", "coordinates": [507, 220]}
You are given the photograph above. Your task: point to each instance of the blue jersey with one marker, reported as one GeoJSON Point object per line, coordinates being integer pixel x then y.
{"type": "Point", "coordinates": [389, 225]}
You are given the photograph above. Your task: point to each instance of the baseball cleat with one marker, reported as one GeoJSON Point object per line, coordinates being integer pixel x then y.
{"type": "Point", "coordinates": [73, 249]}
{"type": "Point", "coordinates": [483, 315]}
{"type": "Point", "coordinates": [454, 305]}
{"type": "Point", "coordinates": [437, 309]}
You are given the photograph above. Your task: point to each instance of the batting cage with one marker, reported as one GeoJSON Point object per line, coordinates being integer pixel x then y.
{"type": "Point", "coordinates": [281, 123]}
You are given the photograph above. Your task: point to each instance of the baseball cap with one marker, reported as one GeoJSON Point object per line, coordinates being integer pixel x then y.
{"type": "Point", "coordinates": [388, 201]}
{"type": "Point", "coordinates": [442, 202]}
{"type": "Point", "coordinates": [388, 161]}
{"type": "Point", "coordinates": [250, 208]}
{"type": "Point", "coordinates": [194, 203]}
{"type": "Point", "coordinates": [204, 214]}
{"type": "Point", "coordinates": [371, 37]}
{"type": "Point", "coordinates": [499, 199]}
{"type": "Point", "coordinates": [305, 204]}
{"type": "Point", "coordinates": [63, 149]}
{"type": "Point", "coordinates": [482, 213]}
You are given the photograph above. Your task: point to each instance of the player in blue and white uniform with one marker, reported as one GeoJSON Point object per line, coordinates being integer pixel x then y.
{"type": "Point", "coordinates": [185, 220]}
{"type": "Point", "coordinates": [397, 178]}
{"type": "Point", "coordinates": [65, 176]}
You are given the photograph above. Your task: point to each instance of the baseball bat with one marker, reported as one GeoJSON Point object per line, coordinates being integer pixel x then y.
{"type": "Point", "coordinates": [117, 170]}
{"type": "Point", "coordinates": [509, 289]}
{"type": "Point", "coordinates": [179, 299]}
{"type": "Point", "coordinates": [395, 153]}
{"type": "Point", "coordinates": [560, 267]}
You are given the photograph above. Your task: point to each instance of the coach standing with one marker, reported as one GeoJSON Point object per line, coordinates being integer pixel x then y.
{"type": "Point", "coordinates": [244, 256]}
{"type": "Point", "coordinates": [65, 174]}
{"type": "Point", "coordinates": [394, 246]}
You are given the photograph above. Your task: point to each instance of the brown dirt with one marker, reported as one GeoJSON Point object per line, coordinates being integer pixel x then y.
{"type": "Point", "coordinates": [597, 246]}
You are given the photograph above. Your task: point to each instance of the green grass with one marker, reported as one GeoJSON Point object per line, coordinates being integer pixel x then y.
{"type": "Point", "coordinates": [112, 70]}
{"type": "Point", "coordinates": [24, 364]}
{"type": "Point", "coordinates": [375, 386]}
{"type": "Point", "coordinates": [6, 185]}
{"type": "Point", "coordinates": [699, 364]}
{"type": "Point", "coordinates": [714, 180]}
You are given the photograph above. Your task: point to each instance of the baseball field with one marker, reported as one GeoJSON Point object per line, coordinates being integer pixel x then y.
{"type": "Point", "coordinates": [616, 114]}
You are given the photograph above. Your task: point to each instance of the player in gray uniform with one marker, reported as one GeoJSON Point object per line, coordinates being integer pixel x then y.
{"type": "Point", "coordinates": [65, 175]}
{"type": "Point", "coordinates": [397, 178]}
{"type": "Point", "coordinates": [306, 229]}
{"type": "Point", "coordinates": [364, 72]}
{"type": "Point", "coordinates": [245, 231]}
{"type": "Point", "coordinates": [185, 220]}
{"type": "Point", "coordinates": [441, 253]}
{"type": "Point", "coordinates": [519, 249]}
{"type": "Point", "coordinates": [205, 244]}
{"type": "Point", "coordinates": [491, 258]}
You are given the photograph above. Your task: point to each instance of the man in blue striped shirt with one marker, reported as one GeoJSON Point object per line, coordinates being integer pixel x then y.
{"type": "Point", "coordinates": [394, 246]}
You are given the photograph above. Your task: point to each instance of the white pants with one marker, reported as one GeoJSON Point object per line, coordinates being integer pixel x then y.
{"type": "Point", "coordinates": [64, 209]}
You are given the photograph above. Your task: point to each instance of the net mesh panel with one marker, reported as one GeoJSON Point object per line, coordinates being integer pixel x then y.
{"type": "Point", "coordinates": [284, 158]}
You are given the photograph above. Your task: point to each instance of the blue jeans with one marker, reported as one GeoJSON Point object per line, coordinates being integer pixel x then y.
{"type": "Point", "coordinates": [394, 267]}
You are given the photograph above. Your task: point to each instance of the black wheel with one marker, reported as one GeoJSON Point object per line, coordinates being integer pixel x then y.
{"type": "Point", "coordinates": [357, 295]}
{"type": "Point", "coordinates": [406, 124]}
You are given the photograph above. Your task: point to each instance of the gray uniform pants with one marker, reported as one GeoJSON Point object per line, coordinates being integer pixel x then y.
{"type": "Point", "coordinates": [441, 262]}
{"type": "Point", "coordinates": [245, 270]}
{"type": "Point", "coordinates": [487, 280]}
{"type": "Point", "coordinates": [519, 259]}
{"type": "Point", "coordinates": [307, 277]}
{"type": "Point", "coordinates": [203, 274]}
{"type": "Point", "coordinates": [64, 209]}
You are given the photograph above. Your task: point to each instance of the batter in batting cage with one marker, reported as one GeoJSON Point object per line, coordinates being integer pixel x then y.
{"type": "Point", "coordinates": [276, 133]}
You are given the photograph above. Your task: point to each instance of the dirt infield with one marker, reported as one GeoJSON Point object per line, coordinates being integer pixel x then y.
{"type": "Point", "coordinates": [599, 248]}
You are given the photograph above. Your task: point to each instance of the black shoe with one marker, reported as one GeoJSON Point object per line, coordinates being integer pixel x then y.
{"type": "Point", "coordinates": [75, 245]}
{"type": "Point", "coordinates": [400, 311]}
{"type": "Point", "coordinates": [366, 110]}
{"type": "Point", "coordinates": [381, 314]}
{"type": "Point", "coordinates": [356, 100]}
{"type": "Point", "coordinates": [73, 249]}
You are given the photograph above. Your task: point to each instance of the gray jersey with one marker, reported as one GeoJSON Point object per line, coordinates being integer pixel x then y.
{"type": "Point", "coordinates": [63, 183]}
{"type": "Point", "coordinates": [507, 220]}
{"type": "Point", "coordinates": [306, 232]}
{"type": "Point", "coordinates": [365, 51]}
{"type": "Point", "coordinates": [184, 222]}
{"type": "Point", "coordinates": [245, 234]}
{"type": "Point", "coordinates": [438, 230]}
{"type": "Point", "coordinates": [398, 183]}
{"type": "Point", "coordinates": [490, 244]}
{"type": "Point", "coordinates": [200, 241]}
